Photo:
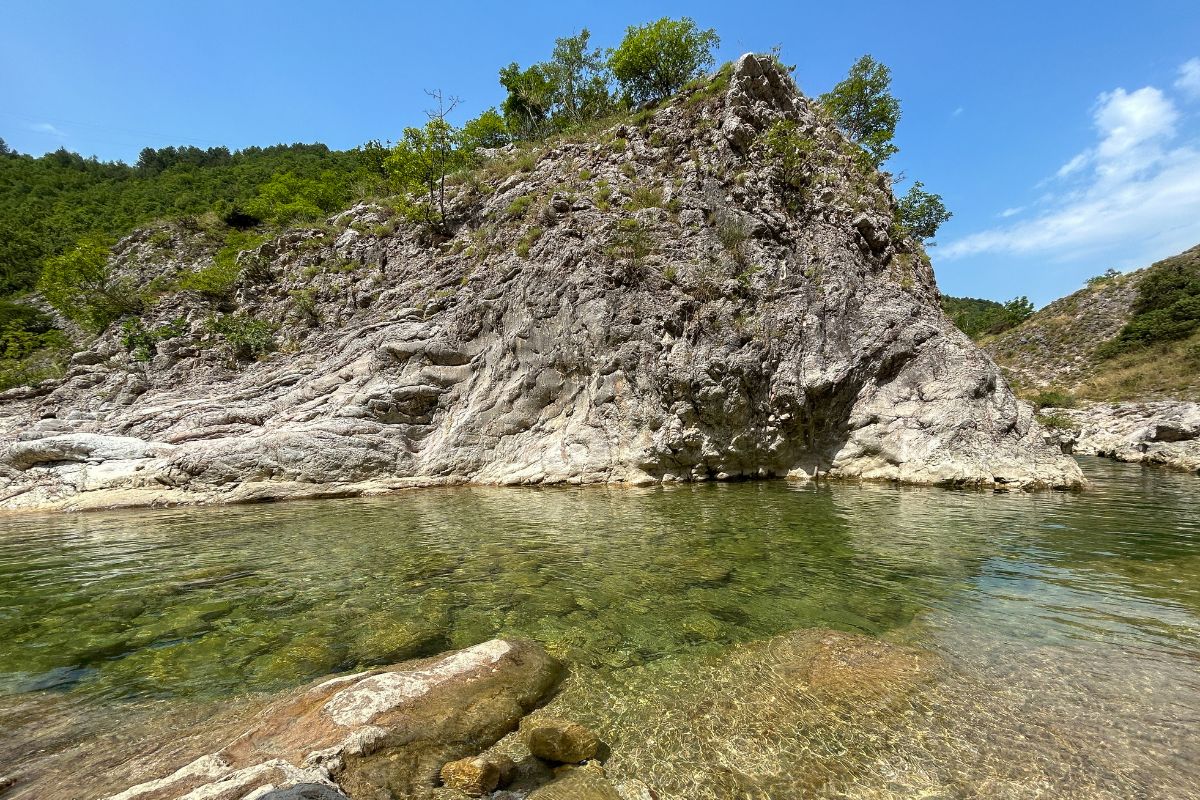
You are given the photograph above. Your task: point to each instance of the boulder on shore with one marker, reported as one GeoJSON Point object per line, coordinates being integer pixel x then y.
{"type": "Point", "coordinates": [381, 733]}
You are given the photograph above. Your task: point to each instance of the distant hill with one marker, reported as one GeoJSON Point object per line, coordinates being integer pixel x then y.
{"type": "Point", "coordinates": [1130, 336]}
{"type": "Point", "coordinates": [976, 317]}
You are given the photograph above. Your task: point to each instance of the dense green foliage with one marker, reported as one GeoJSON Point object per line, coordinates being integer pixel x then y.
{"type": "Point", "coordinates": [80, 286]}
{"type": "Point", "coordinates": [568, 90]}
{"type": "Point", "coordinates": [921, 212]}
{"type": "Point", "coordinates": [656, 60]}
{"type": "Point", "coordinates": [976, 317]}
{"type": "Point", "coordinates": [1167, 307]}
{"type": "Point", "coordinates": [47, 204]}
{"type": "Point", "coordinates": [863, 107]}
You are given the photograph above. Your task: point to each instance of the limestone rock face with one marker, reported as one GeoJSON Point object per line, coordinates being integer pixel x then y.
{"type": "Point", "coordinates": [1165, 432]}
{"type": "Point", "coordinates": [380, 734]}
{"type": "Point", "coordinates": [660, 302]}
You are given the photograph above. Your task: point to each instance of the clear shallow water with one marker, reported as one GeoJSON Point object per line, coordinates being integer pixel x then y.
{"type": "Point", "coordinates": [1069, 626]}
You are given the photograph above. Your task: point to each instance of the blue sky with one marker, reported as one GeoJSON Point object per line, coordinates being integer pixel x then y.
{"type": "Point", "coordinates": [1064, 136]}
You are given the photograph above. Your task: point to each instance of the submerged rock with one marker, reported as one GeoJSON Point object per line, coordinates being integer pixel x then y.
{"type": "Point", "coordinates": [578, 783]}
{"type": "Point", "coordinates": [559, 740]}
{"type": "Point", "coordinates": [781, 717]}
{"type": "Point", "coordinates": [382, 733]}
{"type": "Point", "coordinates": [474, 776]}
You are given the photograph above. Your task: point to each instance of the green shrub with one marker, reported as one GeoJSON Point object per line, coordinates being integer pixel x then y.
{"type": "Point", "coordinates": [527, 241]}
{"type": "Point", "coordinates": [791, 151]}
{"type": "Point", "coordinates": [733, 236]}
{"type": "Point", "coordinates": [80, 285]}
{"type": "Point", "coordinates": [645, 197]}
{"type": "Point", "coordinates": [1056, 421]}
{"type": "Point", "coordinates": [305, 301]}
{"type": "Point", "coordinates": [1053, 398]}
{"type": "Point", "coordinates": [603, 195]}
{"type": "Point", "coordinates": [631, 241]}
{"type": "Point", "coordinates": [217, 280]}
{"type": "Point", "coordinates": [1167, 307]}
{"type": "Point", "coordinates": [864, 108]}
{"type": "Point", "coordinates": [245, 337]}
{"type": "Point", "coordinates": [1108, 276]}
{"type": "Point", "coordinates": [921, 213]}
{"type": "Point", "coordinates": [143, 343]}
{"type": "Point", "coordinates": [518, 208]}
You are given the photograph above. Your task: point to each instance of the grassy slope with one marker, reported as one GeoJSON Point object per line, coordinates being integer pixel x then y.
{"type": "Point", "coordinates": [1056, 348]}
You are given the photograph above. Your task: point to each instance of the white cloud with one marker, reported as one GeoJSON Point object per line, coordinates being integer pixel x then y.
{"type": "Point", "coordinates": [1134, 185]}
{"type": "Point", "coordinates": [46, 127]}
{"type": "Point", "coordinates": [1074, 165]}
{"type": "Point", "coordinates": [1011, 212]}
{"type": "Point", "coordinates": [1188, 81]}
{"type": "Point", "coordinates": [957, 112]}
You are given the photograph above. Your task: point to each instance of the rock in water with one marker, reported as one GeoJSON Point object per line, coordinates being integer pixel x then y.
{"type": "Point", "coordinates": [578, 783]}
{"type": "Point", "coordinates": [559, 740]}
{"type": "Point", "coordinates": [475, 776]}
{"type": "Point", "coordinates": [382, 733]}
{"type": "Point", "coordinates": [667, 301]}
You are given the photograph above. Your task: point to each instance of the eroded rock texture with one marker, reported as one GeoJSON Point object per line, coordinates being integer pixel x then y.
{"type": "Point", "coordinates": [1165, 432]}
{"type": "Point", "coordinates": [664, 301]}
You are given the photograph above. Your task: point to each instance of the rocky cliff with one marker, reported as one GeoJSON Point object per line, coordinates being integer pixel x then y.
{"type": "Point", "coordinates": [669, 299]}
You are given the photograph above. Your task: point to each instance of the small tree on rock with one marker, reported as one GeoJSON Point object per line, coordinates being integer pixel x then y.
{"type": "Point", "coordinates": [486, 130]}
{"type": "Point", "coordinates": [864, 108]}
{"type": "Point", "coordinates": [921, 213]}
{"type": "Point", "coordinates": [656, 60]}
{"type": "Point", "coordinates": [423, 158]}
{"type": "Point", "coordinates": [581, 78]}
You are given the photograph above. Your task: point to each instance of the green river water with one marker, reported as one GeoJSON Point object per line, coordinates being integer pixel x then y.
{"type": "Point", "coordinates": [1069, 626]}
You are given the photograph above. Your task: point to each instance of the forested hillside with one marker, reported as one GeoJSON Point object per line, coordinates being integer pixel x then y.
{"type": "Point", "coordinates": [976, 317]}
{"type": "Point", "coordinates": [49, 203]}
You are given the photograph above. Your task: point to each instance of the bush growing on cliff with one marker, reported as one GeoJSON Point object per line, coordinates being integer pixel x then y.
{"type": "Point", "coordinates": [656, 60]}
{"type": "Point", "coordinates": [485, 131]}
{"type": "Point", "coordinates": [80, 286]}
{"type": "Point", "coordinates": [864, 108]}
{"type": "Point", "coordinates": [217, 280]}
{"type": "Point", "coordinates": [245, 337]}
{"type": "Point", "coordinates": [921, 213]}
{"type": "Point", "coordinates": [791, 152]}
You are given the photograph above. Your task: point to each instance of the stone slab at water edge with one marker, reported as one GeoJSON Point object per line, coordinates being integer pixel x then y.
{"type": "Point", "coordinates": [667, 300]}
{"type": "Point", "coordinates": [383, 733]}
{"type": "Point", "coordinates": [1165, 433]}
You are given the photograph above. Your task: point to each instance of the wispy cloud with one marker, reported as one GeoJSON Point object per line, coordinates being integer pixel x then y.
{"type": "Point", "coordinates": [1011, 212]}
{"type": "Point", "coordinates": [957, 112]}
{"type": "Point", "coordinates": [1137, 183]}
{"type": "Point", "coordinates": [46, 127]}
{"type": "Point", "coordinates": [1188, 81]}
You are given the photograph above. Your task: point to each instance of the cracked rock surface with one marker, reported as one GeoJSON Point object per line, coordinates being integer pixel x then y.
{"type": "Point", "coordinates": [658, 302]}
{"type": "Point", "coordinates": [1165, 433]}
